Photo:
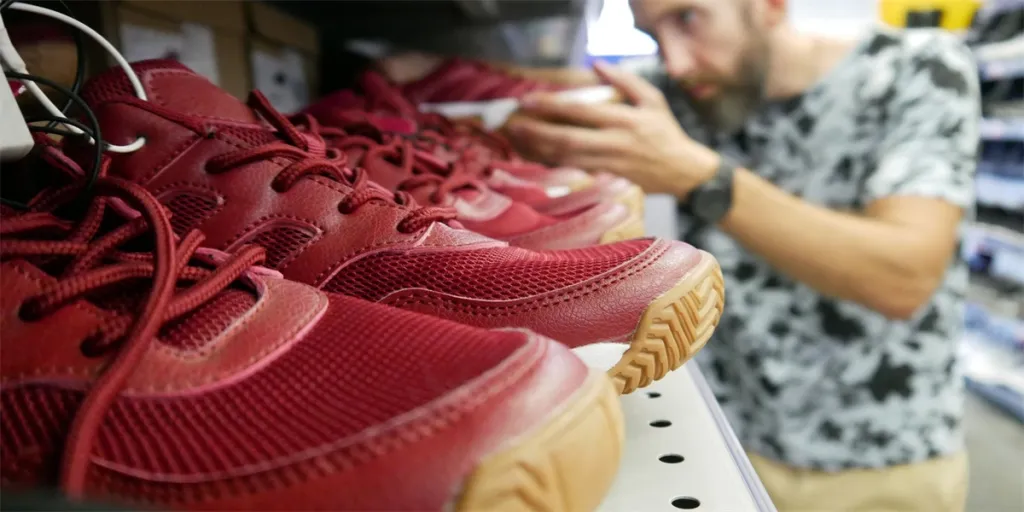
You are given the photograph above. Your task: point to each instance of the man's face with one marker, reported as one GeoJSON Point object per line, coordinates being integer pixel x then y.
{"type": "Point", "coordinates": [715, 50]}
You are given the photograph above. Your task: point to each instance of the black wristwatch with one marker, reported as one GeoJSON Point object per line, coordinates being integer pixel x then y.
{"type": "Point", "coordinates": [711, 200]}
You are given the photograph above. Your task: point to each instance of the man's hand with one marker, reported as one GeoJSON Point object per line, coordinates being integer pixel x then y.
{"type": "Point", "coordinates": [642, 142]}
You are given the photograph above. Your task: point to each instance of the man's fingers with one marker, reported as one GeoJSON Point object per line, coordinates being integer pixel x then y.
{"type": "Point", "coordinates": [560, 144]}
{"type": "Point", "coordinates": [589, 163]}
{"type": "Point", "coordinates": [600, 115]}
{"type": "Point", "coordinates": [638, 91]}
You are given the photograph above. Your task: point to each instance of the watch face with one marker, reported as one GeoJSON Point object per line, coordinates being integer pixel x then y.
{"type": "Point", "coordinates": [712, 204]}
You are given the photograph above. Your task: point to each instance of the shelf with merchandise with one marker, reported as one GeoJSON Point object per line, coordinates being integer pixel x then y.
{"type": "Point", "coordinates": [993, 7]}
{"type": "Point", "coordinates": [1001, 68]}
{"type": "Point", "coordinates": [992, 353]}
{"type": "Point", "coordinates": [992, 347]}
{"type": "Point", "coordinates": [995, 250]}
{"type": "Point", "coordinates": [1002, 129]}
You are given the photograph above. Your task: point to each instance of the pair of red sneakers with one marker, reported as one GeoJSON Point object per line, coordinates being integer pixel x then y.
{"type": "Point", "coordinates": [139, 367]}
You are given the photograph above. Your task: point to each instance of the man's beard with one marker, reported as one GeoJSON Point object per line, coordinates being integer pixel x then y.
{"type": "Point", "coordinates": [729, 110]}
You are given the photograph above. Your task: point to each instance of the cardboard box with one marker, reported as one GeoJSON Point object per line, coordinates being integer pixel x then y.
{"type": "Point", "coordinates": [210, 40]}
{"type": "Point", "coordinates": [283, 56]}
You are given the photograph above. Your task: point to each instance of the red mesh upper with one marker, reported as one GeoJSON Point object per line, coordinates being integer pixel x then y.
{"type": "Point", "coordinates": [283, 243]}
{"type": "Point", "coordinates": [188, 211]}
{"type": "Point", "coordinates": [341, 379]}
{"type": "Point", "coordinates": [194, 331]}
{"type": "Point", "coordinates": [171, 85]}
{"type": "Point", "coordinates": [113, 83]}
{"type": "Point", "coordinates": [485, 274]}
{"type": "Point", "coordinates": [247, 137]}
{"type": "Point", "coordinates": [191, 95]}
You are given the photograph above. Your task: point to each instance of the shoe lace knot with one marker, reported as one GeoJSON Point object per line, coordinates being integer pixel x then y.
{"type": "Point", "coordinates": [406, 152]}
{"type": "Point", "coordinates": [89, 259]}
{"type": "Point", "coordinates": [306, 155]}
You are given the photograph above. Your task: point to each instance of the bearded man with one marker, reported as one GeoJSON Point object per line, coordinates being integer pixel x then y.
{"type": "Point", "coordinates": [829, 178]}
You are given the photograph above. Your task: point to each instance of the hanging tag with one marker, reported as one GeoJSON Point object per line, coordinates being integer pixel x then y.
{"type": "Point", "coordinates": [15, 139]}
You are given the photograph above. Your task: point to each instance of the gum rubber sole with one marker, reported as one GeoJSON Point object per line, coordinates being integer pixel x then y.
{"type": "Point", "coordinates": [580, 184]}
{"type": "Point", "coordinates": [632, 227]}
{"type": "Point", "coordinates": [673, 327]}
{"type": "Point", "coordinates": [568, 464]}
{"type": "Point", "coordinates": [633, 199]}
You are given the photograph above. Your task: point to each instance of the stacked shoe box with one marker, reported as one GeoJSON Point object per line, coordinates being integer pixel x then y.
{"type": "Point", "coordinates": [210, 40]}
{"type": "Point", "coordinates": [283, 55]}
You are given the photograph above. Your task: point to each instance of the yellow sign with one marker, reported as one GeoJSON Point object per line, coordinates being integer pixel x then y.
{"type": "Point", "coordinates": [951, 14]}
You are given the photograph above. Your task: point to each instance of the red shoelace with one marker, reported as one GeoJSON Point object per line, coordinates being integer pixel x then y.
{"type": "Point", "coordinates": [463, 136]}
{"type": "Point", "coordinates": [479, 151]}
{"type": "Point", "coordinates": [504, 84]}
{"type": "Point", "coordinates": [420, 168]}
{"type": "Point", "coordinates": [85, 261]}
{"type": "Point", "coordinates": [311, 157]}
{"type": "Point", "coordinates": [469, 141]}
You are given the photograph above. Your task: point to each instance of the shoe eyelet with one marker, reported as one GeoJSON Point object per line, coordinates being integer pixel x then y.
{"type": "Point", "coordinates": [88, 347]}
{"type": "Point", "coordinates": [29, 311]}
{"type": "Point", "coordinates": [345, 208]}
{"type": "Point", "coordinates": [277, 187]}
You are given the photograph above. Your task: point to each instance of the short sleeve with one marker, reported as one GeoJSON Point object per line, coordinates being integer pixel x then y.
{"type": "Point", "coordinates": [930, 143]}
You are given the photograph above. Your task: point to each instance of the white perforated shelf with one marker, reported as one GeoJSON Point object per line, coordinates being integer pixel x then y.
{"type": "Point", "coordinates": [681, 453]}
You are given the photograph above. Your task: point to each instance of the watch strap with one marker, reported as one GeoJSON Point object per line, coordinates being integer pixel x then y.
{"type": "Point", "coordinates": [703, 202]}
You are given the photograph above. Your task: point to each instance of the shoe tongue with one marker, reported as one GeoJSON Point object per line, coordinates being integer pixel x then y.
{"type": "Point", "coordinates": [382, 93]}
{"type": "Point", "coordinates": [393, 124]}
{"type": "Point", "coordinates": [173, 86]}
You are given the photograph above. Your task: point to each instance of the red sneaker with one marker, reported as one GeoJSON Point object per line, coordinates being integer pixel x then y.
{"type": "Point", "coordinates": [218, 168]}
{"type": "Point", "coordinates": [463, 89]}
{"type": "Point", "coordinates": [396, 163]}
{"type": "Point", "coordinates": [137, 370]}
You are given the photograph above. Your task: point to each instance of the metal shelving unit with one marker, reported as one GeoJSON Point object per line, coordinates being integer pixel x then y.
{"type": "Point", "coordinates": [681, 453]}
{"type": "Point", "coordinates": [993, 346]}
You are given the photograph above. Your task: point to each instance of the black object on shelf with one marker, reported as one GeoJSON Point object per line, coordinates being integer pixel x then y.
{"type": "Point", "coordinates": [999, 22]}
{"type": "Point", "coordinates": [50, 499]}
{"type": "Point", "coordinates": [1002, 89]}
{"type": "Point", "coordinates": [1003, 158]}
{"type": "Point", "coordinates": [924, 19]}
{"type": "Point", "coordinates": [404, 20]}
{"type": "Point", "coordinates": [996, 216]}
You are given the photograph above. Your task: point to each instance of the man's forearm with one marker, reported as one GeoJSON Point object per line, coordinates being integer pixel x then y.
{"type": "Point", "coordinates": [839, 254]}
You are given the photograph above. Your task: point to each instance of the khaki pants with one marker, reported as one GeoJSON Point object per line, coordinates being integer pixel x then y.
{"type": "Point", "coordinates": [937, 485]}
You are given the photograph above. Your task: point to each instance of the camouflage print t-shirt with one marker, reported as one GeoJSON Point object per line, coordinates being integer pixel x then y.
{"type": "Point", "coordinates": [823, 383]}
